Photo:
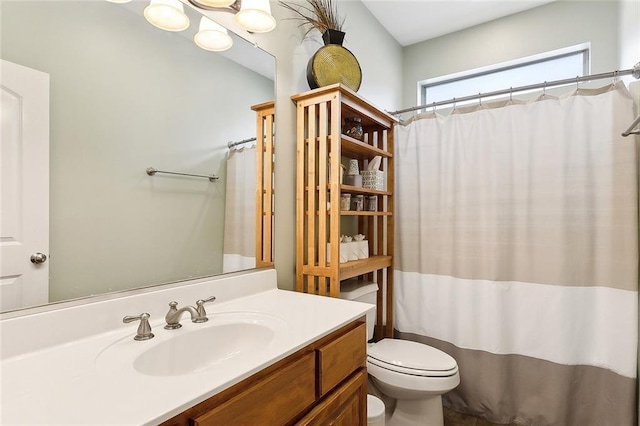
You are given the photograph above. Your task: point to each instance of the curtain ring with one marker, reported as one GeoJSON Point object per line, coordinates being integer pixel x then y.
{"type": "Point", "coordinates": [577, 82]}
{"type": "Point", "coordinates": [544, 89]}
{"type": "Point", "coordinates": [479, 99]}
{"type": "Point", "coordinates": [616, 76]}
{"type": "Point", "coordinates": [434, 107]}
{"type": "Point", "coordinates": [511, 94]}
{"type": "Point", "coordinates": [454, 104]}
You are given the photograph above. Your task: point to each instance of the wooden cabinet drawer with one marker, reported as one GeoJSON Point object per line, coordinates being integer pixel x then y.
{"type": "Point", "coordinates": [339, 358]}
{"type": "Point", "coordinates": [345, 406]}
{"type": "Point", "coordinates": [276, 400]}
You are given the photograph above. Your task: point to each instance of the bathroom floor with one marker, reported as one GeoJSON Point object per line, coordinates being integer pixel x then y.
{"type": "Point", "coordinates": [453, 418]}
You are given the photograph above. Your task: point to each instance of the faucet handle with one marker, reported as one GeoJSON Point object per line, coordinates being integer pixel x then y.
{"type": "Point", "coordinates": [144, 329]}
{"type": "Point", "coordinates": [202, 314]}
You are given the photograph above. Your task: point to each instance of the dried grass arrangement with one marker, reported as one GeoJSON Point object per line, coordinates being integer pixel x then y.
{"type": "Point", "coordinates": [319, 14]}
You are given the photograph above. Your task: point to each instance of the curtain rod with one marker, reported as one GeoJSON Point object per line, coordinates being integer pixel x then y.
{"type": "Point", "coordinates": [635, 72]}
{"type": "Point", "coordinates": [232, 144]}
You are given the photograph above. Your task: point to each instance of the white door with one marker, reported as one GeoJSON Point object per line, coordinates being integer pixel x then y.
{"type": "Point", "coordinates": [24, 186]}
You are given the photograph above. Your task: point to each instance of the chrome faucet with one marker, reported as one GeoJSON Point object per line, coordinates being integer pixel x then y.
{"type": "Point", "coordinates": [198, 314]}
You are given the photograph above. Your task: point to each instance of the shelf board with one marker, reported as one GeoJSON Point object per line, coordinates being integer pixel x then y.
{"type": "Point", "coordinates": [363, 213]}
{"type": "Point", "coordinates": [361, 190]}
{"type": "Point", "coordinates": [356, 213]}
{"type": "Point", "coordinates": [352, 147]}
{"type": "Point", "coordinates": [364, 266]}
{"type": "Point", "coordinates": [355, 190]}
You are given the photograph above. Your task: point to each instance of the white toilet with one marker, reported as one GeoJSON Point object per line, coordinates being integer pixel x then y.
{"type": "Point", "coordinates": [413, 374]}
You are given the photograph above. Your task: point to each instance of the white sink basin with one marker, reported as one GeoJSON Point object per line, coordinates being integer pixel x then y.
{"type": "Point", "coordinates": [226, 339]}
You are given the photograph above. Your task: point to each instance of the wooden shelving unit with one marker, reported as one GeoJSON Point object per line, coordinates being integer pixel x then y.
{"type": "Point", "coordinates": [322, 148]}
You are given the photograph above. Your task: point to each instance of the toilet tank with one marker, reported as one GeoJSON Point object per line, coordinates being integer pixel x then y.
{"type": "Point", "coordinates": [365, 292]}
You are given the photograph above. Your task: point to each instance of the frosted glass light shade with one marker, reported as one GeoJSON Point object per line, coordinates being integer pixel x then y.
{"type": "Point", "coordinates": [255, 16]}
{"type": "Point", "coordinates": [216, 3]}
{"type": "Point", "coordinates": [167, 14]}
{"type": "Point", "coordinates": [212, 36]}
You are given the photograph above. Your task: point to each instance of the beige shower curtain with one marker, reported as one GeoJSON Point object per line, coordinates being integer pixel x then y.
{"type": "Point", "coordinates": [517, 253]}
{"type": "Point", "coordinates": [240, 209]}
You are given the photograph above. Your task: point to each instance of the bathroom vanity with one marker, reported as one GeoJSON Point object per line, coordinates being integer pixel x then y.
{"type": "Point", "coordinates": [266, 356]}
{"type": "Point", "coordinates": [323, 383]}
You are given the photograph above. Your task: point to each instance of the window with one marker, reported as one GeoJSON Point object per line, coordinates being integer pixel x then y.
{"type": "Point", "coordinates": [555, 65]}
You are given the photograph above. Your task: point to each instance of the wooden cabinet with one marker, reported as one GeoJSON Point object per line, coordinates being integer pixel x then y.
{"type": "Point", "coordinates": [322, 150]}
{"type": "Point", "coordinates": [322, 384]}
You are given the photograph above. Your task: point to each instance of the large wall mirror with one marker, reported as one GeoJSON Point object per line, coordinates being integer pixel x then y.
{"type": "Point", "coordinates": [124, 96]}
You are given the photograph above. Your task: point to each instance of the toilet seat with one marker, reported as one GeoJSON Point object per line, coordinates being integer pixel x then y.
{"type": "Point", "coordinates": [412, 358]}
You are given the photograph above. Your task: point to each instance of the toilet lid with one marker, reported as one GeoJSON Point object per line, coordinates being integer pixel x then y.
{"type": "Point", "coordinates": [414, 358]}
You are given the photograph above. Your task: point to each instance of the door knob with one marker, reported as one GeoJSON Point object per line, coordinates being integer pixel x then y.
{"type": "Point", "coordinates": [38, 258]}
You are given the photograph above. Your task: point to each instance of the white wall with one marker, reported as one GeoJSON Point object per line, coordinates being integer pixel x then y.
{"type": "Point", "coordinates": [552, 26]}
{"type": "Point", "coordinates": [629, 33]}
{"type": "Point", "coordinates": [380, 58]}
{"type": "Point", "coordinates": [112, 226]}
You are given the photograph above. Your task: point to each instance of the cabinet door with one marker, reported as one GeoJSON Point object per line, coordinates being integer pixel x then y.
{"type": "Point", "coordinates": [345, 406]}
{"type": "Point", "coordinates": [276, 400]}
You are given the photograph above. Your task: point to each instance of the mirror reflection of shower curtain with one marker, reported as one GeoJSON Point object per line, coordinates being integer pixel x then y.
{"type": "Point", "coordinates": [240, 209]}
{"type": "Point", "coordinates": [517, 254]}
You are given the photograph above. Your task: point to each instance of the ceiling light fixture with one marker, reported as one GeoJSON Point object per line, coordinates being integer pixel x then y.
{"type": "Point", "coordinates": [212, 36]}
{"type": "Point", "coordinates": [167, 15]}
{"type": "Point", "coordinates": [216, 3]}
{"type": "Point", "coordinates": [252, 15]}
{"type": "Point", "coordinates": [255, 16]}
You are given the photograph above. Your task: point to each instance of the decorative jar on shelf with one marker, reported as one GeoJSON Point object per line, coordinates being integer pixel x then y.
{"type": "Point", "coordinates": [345, 202]}
{"type": "Point", "coordinates": [357, 203]}
{"type": "Point", "coordinates": [353, 127]}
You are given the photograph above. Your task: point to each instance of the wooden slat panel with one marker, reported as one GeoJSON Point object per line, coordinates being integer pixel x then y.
{"type": "Point", "coordinates": [265, 119]}
{"type": "Point", "coordinates": [312, 179]}
{"type": "Point", "coordinates": [300, 185]}
{"type": "Point", "coordinates": [259, 195]}
{"type": "Point", "coordinates": [390, 230]}
{"type": "Point", "coordinates": [335, 124]}
{"type": "Point", "coordinates": [322, 183]}
{"type": "Point", "coordinates": [268, 206]}
{"type": "Point", "coordinates": [334, 218]}
{"type": "Point", "coordinates": [381, 249]}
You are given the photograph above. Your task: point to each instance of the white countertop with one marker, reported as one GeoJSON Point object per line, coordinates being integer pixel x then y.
{"type": "Point", "coordinates": [69, 382]}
